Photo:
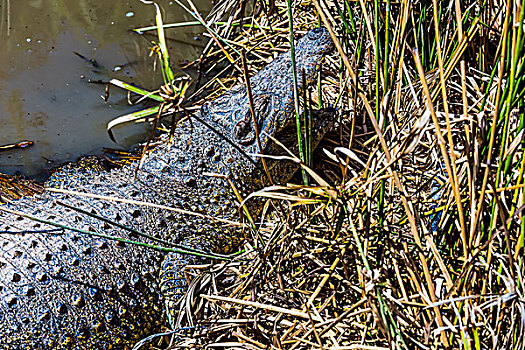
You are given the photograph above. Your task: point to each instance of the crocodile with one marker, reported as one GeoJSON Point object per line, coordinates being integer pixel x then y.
{"type": "Point", "coordinates": [65, 289]}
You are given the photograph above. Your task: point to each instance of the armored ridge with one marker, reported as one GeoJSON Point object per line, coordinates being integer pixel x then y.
{"type": "Point", "coordinates": [65, 290]}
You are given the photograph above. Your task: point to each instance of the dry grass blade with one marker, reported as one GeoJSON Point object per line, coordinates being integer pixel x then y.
{"type": "Point", "coordinates": [273, 308]}
{"type": "Point", "coordinates": [148, 204]}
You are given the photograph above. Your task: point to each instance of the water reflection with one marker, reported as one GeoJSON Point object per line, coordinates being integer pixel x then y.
{"type": "Point", "coordinates": [45, 94]}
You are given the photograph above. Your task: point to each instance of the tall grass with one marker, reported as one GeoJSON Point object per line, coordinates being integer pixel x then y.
{"type": "Point", "coordinates": [418, 240]}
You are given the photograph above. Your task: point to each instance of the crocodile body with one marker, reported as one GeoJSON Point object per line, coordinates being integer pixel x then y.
{"type": "Point", "coordinates": [61, 289]}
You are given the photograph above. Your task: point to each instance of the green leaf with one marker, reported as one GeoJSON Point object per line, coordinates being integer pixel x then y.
{"type": "Point", "coordinates": [136, 90]}
{"type": "Point", "coordinates": [144, 113]}
{"type": "Point", "coordinates": [165, 57]}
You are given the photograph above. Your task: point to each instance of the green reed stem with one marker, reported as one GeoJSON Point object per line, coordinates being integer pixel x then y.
{"type": "Point", "coordinates": [113, 238]}
{"type": "Point", "coordinates": [386, 315]}
{"type": "Point", "coordinates": [296, 90]}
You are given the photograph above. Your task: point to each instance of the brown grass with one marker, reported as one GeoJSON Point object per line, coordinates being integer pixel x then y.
{"type": "Point", "coordinates": [412, 237]}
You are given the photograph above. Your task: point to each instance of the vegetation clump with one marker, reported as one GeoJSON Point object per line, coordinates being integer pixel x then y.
{"type": "Point", "coordinates": [408, 233]}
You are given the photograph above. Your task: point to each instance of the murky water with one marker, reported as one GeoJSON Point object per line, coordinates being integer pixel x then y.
{"type": "Point", "coordinates": [45, 90]}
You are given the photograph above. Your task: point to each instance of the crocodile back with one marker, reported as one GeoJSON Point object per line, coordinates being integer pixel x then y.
{"type": "Point", "coordinates": [64, 290]}
{"type": "Point", "coordinates": [68, 290]}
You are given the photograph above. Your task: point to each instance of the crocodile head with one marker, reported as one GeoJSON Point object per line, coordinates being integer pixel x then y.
{"type": "Point", "coordinates": [316, 42]}
{"type": "Point", "coordinates": [273, 93]}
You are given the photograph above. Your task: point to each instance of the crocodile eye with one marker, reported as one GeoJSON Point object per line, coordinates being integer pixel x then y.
{"type": "Point", "coordinates": [315, 34]}
{"type": "Point", "coordinates": [205, 109]}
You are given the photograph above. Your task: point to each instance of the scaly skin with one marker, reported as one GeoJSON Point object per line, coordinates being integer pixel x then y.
{"type": "Point", "coordinates": [67, 290]}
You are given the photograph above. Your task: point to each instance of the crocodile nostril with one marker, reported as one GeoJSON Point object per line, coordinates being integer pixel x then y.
{"type": "Point", "coordinates": [315, 33]}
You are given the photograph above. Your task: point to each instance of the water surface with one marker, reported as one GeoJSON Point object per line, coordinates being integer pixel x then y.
{"type": "Point", "coordinates": [45, 90]}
